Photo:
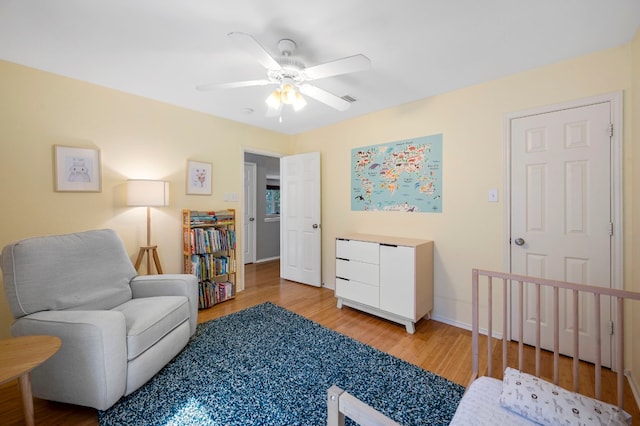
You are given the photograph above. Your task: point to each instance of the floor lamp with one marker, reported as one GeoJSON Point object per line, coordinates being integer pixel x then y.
{"type": "Point", "coordinates": [148, 193]}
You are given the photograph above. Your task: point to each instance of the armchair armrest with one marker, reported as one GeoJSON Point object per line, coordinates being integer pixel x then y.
{"type": "Point", "coordinates": [169, 285]}
{"type": "Point", "coordinates": [91, 366]}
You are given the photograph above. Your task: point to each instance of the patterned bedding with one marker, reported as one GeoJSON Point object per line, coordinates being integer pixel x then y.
{"type": "Point", "coordinates": [480, 406]}
{"type": "Point", "coordinates": [523, 399]}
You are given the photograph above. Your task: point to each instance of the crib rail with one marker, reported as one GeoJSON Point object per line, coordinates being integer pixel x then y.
{"type": "Point", "coordinates": [519, 283]}
{"type": "Point", "coordinates": [341, 404]}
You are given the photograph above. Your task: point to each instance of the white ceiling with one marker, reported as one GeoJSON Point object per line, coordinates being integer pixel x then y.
{"type": "Point", "coordinates": [162, 49]}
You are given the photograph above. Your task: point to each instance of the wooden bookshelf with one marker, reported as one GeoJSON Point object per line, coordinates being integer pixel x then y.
{"type": "Point", "coordinates": [209, 253]}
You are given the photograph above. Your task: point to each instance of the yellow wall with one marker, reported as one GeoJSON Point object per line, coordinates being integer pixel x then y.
{"type": "Point", "coordinates": [143, 138]}
{"type": "Point", "coordinates": [137, 138]}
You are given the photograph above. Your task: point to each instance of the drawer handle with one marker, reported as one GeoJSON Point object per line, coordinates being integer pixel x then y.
{"type": "Point", "coordinates": [342, 278]}
{"type": "Point", "coordinates": [389, 245]}
{"type": "Point", "coordinates": [342, 258]}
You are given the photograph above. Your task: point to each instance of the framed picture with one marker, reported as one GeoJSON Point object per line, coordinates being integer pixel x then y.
{"type": "Point", "coordinates": [198, 178]}
{"type": "Point", "coordinates": [76, 169]}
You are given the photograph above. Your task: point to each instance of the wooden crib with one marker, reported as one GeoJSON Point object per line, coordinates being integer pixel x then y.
{"type": "Point", "coordinates": [513, 288]}
{"type": "Point", "coordinates": [483, 403]}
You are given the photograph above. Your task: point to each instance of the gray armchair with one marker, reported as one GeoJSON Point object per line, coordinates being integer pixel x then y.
{"type": "Point", "coordinates": [117, 329]}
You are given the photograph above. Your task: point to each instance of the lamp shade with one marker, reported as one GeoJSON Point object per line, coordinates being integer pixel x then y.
{"type": "Point", "coordinates": [148, 193]}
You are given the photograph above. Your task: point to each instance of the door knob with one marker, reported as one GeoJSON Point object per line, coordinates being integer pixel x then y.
{"type": "Point", "coordinates": [251, 219]}
{"type": "Point", "coordinates": [314, 226]}
{"type": "Point", "coordinates": [519, 241]}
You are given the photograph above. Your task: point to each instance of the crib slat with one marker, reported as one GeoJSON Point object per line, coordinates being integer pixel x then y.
{"type": "Point", "coordinates": [619, 336]}
{"type": "Point", "coordinates": [537, 286]}
{"type": "Point", "coordinates": [475, 318]}
{"type": "Point", "coordinates": [521, 326]}
{"type": "Point", "coordinates": [504, 324]}
{"type": "Point", "coordinates": [576, 341]}
{"type": "Point", "coordinates": [556, 335]}
{"type": "Point", "coordinates": [489, 325]}
{"type": "Point", "coordinates": [597, 343]}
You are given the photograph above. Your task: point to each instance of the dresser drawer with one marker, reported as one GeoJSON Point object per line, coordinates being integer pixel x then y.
{"type": "Point", "coordinates": [358, 292]}
{"type": "Point", "coordinates": [358, 271]}
{"type": "Point", "coordinates": [362, 251]}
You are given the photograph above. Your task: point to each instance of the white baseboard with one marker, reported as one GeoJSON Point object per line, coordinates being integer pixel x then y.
{"type": "Point", "coordinates": [464, 326]}
{"type": "Point", "coordinates": [268, 259]}
{"type": "Point", "coordinates": [451, 322]}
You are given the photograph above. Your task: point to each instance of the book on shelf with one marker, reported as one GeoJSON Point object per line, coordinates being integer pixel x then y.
{"type": "Point", "coordinates": [212, 292]}
{"type": "Point", "coordinates": [209, 244]}
{"type": "Point", "coordinates": [211, 240]}
{"type": "Point", "coordinates": [206, 266]}
{"type": "Point", "coordinates": [211, 217]}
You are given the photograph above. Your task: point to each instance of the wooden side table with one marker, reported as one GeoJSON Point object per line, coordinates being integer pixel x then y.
{"type": "Point", "coordinates": [20, 355]}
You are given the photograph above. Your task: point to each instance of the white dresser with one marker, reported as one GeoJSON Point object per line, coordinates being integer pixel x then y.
{"type": "Point", "coordinates": [386, 276]}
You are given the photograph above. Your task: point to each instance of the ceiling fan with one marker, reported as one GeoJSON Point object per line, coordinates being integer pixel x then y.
{"type": "Point", "coordinates": [291, 75]}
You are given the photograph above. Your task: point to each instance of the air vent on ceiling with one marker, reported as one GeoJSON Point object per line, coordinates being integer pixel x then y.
{"type": "Point", "coordinates": [349, 98]}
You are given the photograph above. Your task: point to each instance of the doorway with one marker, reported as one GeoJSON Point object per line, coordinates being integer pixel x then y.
{"type": "Point", "coordinates": [564, 210]}
{"type": "Point", "coordinates": [261, 214]}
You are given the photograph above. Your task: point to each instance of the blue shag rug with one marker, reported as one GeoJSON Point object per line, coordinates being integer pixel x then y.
{"type": "Point", "coordinates": [266, 365]}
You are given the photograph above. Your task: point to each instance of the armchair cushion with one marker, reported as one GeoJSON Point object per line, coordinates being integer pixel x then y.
{"type": "Point", "coordinates": [170, 285]}
{"type": "Point", "coordinates": [150, 319]}
{"type": "Point", "coordinates": [84, 271]}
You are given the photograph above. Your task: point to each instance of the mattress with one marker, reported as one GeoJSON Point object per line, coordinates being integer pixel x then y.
{"type": "Point", "coordinates": [480, 406]}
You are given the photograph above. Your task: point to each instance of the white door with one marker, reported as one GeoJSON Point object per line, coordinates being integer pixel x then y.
{"type": "Point", "coordinates": [561, 217]}
{"type": "Point", "coordinates": [300, 236]}
{"type": "Point", "coordinates": [249, 217]}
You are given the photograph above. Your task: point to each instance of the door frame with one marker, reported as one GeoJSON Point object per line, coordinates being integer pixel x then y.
{"type": "Point", "coordinates": [616, 203]}
{"type": "Point", "coordinates": [252, 226]}
{"type": "Point", "coordinates": [250, 150]}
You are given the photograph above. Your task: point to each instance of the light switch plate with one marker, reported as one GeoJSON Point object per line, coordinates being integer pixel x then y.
{"type": "Point", "coordinates": [492, 195]}
{"type": "Point", "coordinates": [232, 197]}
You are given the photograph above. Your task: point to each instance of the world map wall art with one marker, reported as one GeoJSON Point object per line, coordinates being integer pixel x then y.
{"type": "Point", "coordinates": [398, 176]}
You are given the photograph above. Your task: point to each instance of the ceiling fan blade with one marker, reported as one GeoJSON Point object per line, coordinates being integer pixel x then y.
{"type": "Point", "coordinates": [339, 66]}
{"type": "Point", "coordinates": [249, 44]}
{"type": "Point", "coordinates": [236, 84]}
{"type": "Point", "coordinates": [325, 97]}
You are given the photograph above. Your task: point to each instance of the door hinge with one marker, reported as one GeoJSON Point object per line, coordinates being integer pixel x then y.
{"type": "Point", "coordinates": [610, 130]}
{"type": "Point", "coordinates": [611, 229]}
{"type": "Point", "coordinates": [611, 328]}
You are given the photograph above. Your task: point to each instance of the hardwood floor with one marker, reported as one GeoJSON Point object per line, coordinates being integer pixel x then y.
{"type": "Point", "coordinates": [437, 347]}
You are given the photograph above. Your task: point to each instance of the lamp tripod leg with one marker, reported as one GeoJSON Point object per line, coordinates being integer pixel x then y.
{"type": "Point", "coordinates": [139, 258]}
{"type": "Point", "coordinates": [156, 260]}
{"type": "Point", "coordinates": [150, 251]}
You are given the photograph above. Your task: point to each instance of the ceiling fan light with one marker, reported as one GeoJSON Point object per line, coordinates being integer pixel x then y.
{"type": "Point", "coordinates": [288, 94]}
{"type": "Point", "coordinates": [299, 103]}
{"type": "Point", "coordinates": [273, 101]}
